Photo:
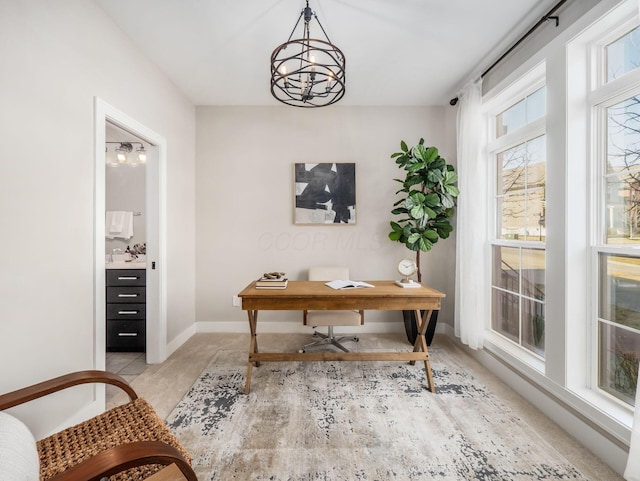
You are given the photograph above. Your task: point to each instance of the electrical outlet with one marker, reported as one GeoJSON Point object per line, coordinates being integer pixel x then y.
{"type": "Point", "coordinates": [235, 301]}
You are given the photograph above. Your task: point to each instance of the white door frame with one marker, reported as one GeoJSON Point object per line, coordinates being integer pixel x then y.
{"type": "Point", "coordinates": [156, 194]}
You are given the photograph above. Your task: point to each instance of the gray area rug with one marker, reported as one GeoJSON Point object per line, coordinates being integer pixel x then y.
{"type": "Point", "coordinates": [356, 421]}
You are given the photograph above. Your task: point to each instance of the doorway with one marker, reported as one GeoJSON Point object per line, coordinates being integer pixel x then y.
{"type": "Point", "coordinates": [107, 116]}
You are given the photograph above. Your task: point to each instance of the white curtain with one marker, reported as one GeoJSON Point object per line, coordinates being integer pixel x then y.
{"type": "Point", "coordinates": [632, 473]}
{"type": "Point", "coordinates": [471, 231]}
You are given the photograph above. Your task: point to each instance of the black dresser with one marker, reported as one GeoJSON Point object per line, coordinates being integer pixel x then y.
{"type": "Point", "coordinates": [126, 310]}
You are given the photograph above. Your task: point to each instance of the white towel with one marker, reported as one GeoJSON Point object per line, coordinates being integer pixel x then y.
{"type": "Point", "coordinates": [118, 224]}
{"type": "Point", "coordinates": [108, 221]}
{"type": "Point", "coordinates": [127, 226]}
{"type": "Point", "coordinates": [117, 220]}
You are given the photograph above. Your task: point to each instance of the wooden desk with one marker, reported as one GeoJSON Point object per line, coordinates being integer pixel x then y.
{"type": "Point", "coordinates": [305, 295]}
{"type": "Point", "coordinates": [170, 473]}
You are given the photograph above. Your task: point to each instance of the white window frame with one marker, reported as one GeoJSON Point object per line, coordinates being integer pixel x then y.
{"type": "Point", "coordinates": [601, 95]}
{"type": "Point", "coordinates": [526, 85]}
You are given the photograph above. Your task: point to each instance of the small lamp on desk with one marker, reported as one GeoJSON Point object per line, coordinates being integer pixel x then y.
{"type": "Point", "coordinates": [407, 268]}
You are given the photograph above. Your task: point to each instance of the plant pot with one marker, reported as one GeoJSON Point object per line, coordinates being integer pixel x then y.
{"type": "Point", "coordinates": [411, 327]}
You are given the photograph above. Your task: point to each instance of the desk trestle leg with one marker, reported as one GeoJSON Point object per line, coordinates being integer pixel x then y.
{"type": "Point", "coordinates": [253, 347]}
{"type": "Point", "coordinates": [421, 344]}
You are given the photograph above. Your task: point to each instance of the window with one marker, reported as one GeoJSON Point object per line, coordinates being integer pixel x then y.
{"type": "Point", "coordinates": [564, 283]}
{"type": "Point", "coordinates": [616, 230]}
{"type": "Point", "coordinates": [518, 152]}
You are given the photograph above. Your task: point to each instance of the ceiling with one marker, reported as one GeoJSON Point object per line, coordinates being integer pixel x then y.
{"type": "Point", "coordinates": [398, 52]}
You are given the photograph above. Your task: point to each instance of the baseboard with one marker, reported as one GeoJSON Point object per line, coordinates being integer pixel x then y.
{"type": "Point", "coordinates": [180, 339]}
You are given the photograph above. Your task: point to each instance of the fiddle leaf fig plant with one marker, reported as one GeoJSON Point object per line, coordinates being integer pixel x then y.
{"type": "Point", "coordinates": [427, 199]}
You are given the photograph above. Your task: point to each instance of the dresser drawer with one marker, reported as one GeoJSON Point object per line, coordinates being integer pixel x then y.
{"type": "Point", "coordinates": [126, 336]}
{"type": "Point", "coordinates": [126, 277]}
{"type": "Point", "coordinates": [122, 312]}
{"type": "Point", "coordinates": [127, 295]}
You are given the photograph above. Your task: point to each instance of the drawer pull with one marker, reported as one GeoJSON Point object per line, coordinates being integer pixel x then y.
{"type": "Point", "coordinates": [127, 312]}
{"type": "Point", "coordinates": [127, 334]}
{"type": "Point", "coordinates": [128, 278]}
{"type": "Point", "coordinates": [128, 295]}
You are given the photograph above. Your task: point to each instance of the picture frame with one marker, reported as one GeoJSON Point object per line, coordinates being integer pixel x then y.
{"type": "Point", "coordinates": [325, 193]}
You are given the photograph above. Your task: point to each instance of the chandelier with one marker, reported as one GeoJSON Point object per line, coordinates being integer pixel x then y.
{"type": "Point", "coordinates": [307, 72]}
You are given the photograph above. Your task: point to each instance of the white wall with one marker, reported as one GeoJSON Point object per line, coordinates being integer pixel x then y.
{"type": "Point", "coordinates": [568, 14]}
{"type": "Point", "coordinates": [244, 200]}
{"type": "Point", "coordinates": [56, 56]}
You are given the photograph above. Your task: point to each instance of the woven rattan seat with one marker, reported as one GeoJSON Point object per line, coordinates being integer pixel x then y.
{"type": "Point", "coordinates": [131, 422]}
{"type": "Point", "coordinates": [126, 443]}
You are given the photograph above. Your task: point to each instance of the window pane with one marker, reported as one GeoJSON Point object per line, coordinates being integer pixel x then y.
{"type": "Point", "coordinates": [619, 355]}
{"type": "Point", "coordinates": [533, 326]}
{"type": "Point", "coordinates": [511, 221]}
{"type": "Point", "coordinates": [518, 296]}
{"type": "Point", "coordinates": [622, 214]}
{"type": "Point", "coordinates": [623, 136]}
{"type": "Point", "coordinates": [511, 119]}
{"type": "Point", "coordinates": [622, 210]}
{"type": "Point", "coordinates": [511, 169]}
{"type": "Point", "coordinates": [537, 104]}
{"type": "Point", "coordinates": [620, 290]}
{"type": "Point", "coordinates": [623, 55]}
{"type": "Point", "coordinates": [522, 167]}
{"type": "Point", "coordinates": [536, 181]}
{"type": "Point", "coordinates": [505, 315]}
{"type": "Point", "coordinates": [536, 161]}
{"type": "Point", "coordinates": [533, 270]}
{"type": "Point", "coordinates": [525, 111]}
{"type": "Point", "coordinates": [506, 271]}
{"type": "Point", "coordinates": [535, 221]}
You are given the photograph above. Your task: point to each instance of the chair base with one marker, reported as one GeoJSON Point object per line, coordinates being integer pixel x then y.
{"type": "Point", "coordinates": [329, 340]}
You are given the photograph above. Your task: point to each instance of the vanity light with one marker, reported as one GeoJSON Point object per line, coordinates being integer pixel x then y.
{"type": "Point", "coordinates": [110, 158]}
{"type": "Point", "coordinates": [142, 154]}
{"type": "Point", "coordinates": [122, 151]}
{"type": "Point", "coordinates": [122, 154]}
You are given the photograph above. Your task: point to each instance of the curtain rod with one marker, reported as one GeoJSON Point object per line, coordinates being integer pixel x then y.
{"type": "Point", "coordinates": [544, 19]}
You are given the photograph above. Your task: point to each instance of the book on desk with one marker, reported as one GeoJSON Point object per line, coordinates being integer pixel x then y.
{"type": "Point", "coordinates": [270, 281]}
{"type": "Point", "coordinates": [340, 284]}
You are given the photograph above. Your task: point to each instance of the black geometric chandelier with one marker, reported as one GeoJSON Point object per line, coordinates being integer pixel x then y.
{"type": "Point", "coordinates": [307, 72]}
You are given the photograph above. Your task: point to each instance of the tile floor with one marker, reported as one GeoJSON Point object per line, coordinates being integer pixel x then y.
{"type": "Point", "coordinates": [129, 365]}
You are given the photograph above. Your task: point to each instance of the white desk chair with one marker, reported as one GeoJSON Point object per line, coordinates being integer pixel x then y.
{"type": "Point", "coordinates": [331, 318]}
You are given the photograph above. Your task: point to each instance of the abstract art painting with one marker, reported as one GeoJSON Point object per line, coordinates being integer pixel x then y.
{"type": "Point", "coordinates": [325, 193]}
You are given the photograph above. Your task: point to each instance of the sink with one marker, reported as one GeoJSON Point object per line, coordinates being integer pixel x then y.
{"type": "Point", "coordinates": [125, 265]}
{"type": "Point", "coordinates": [124, 261]}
